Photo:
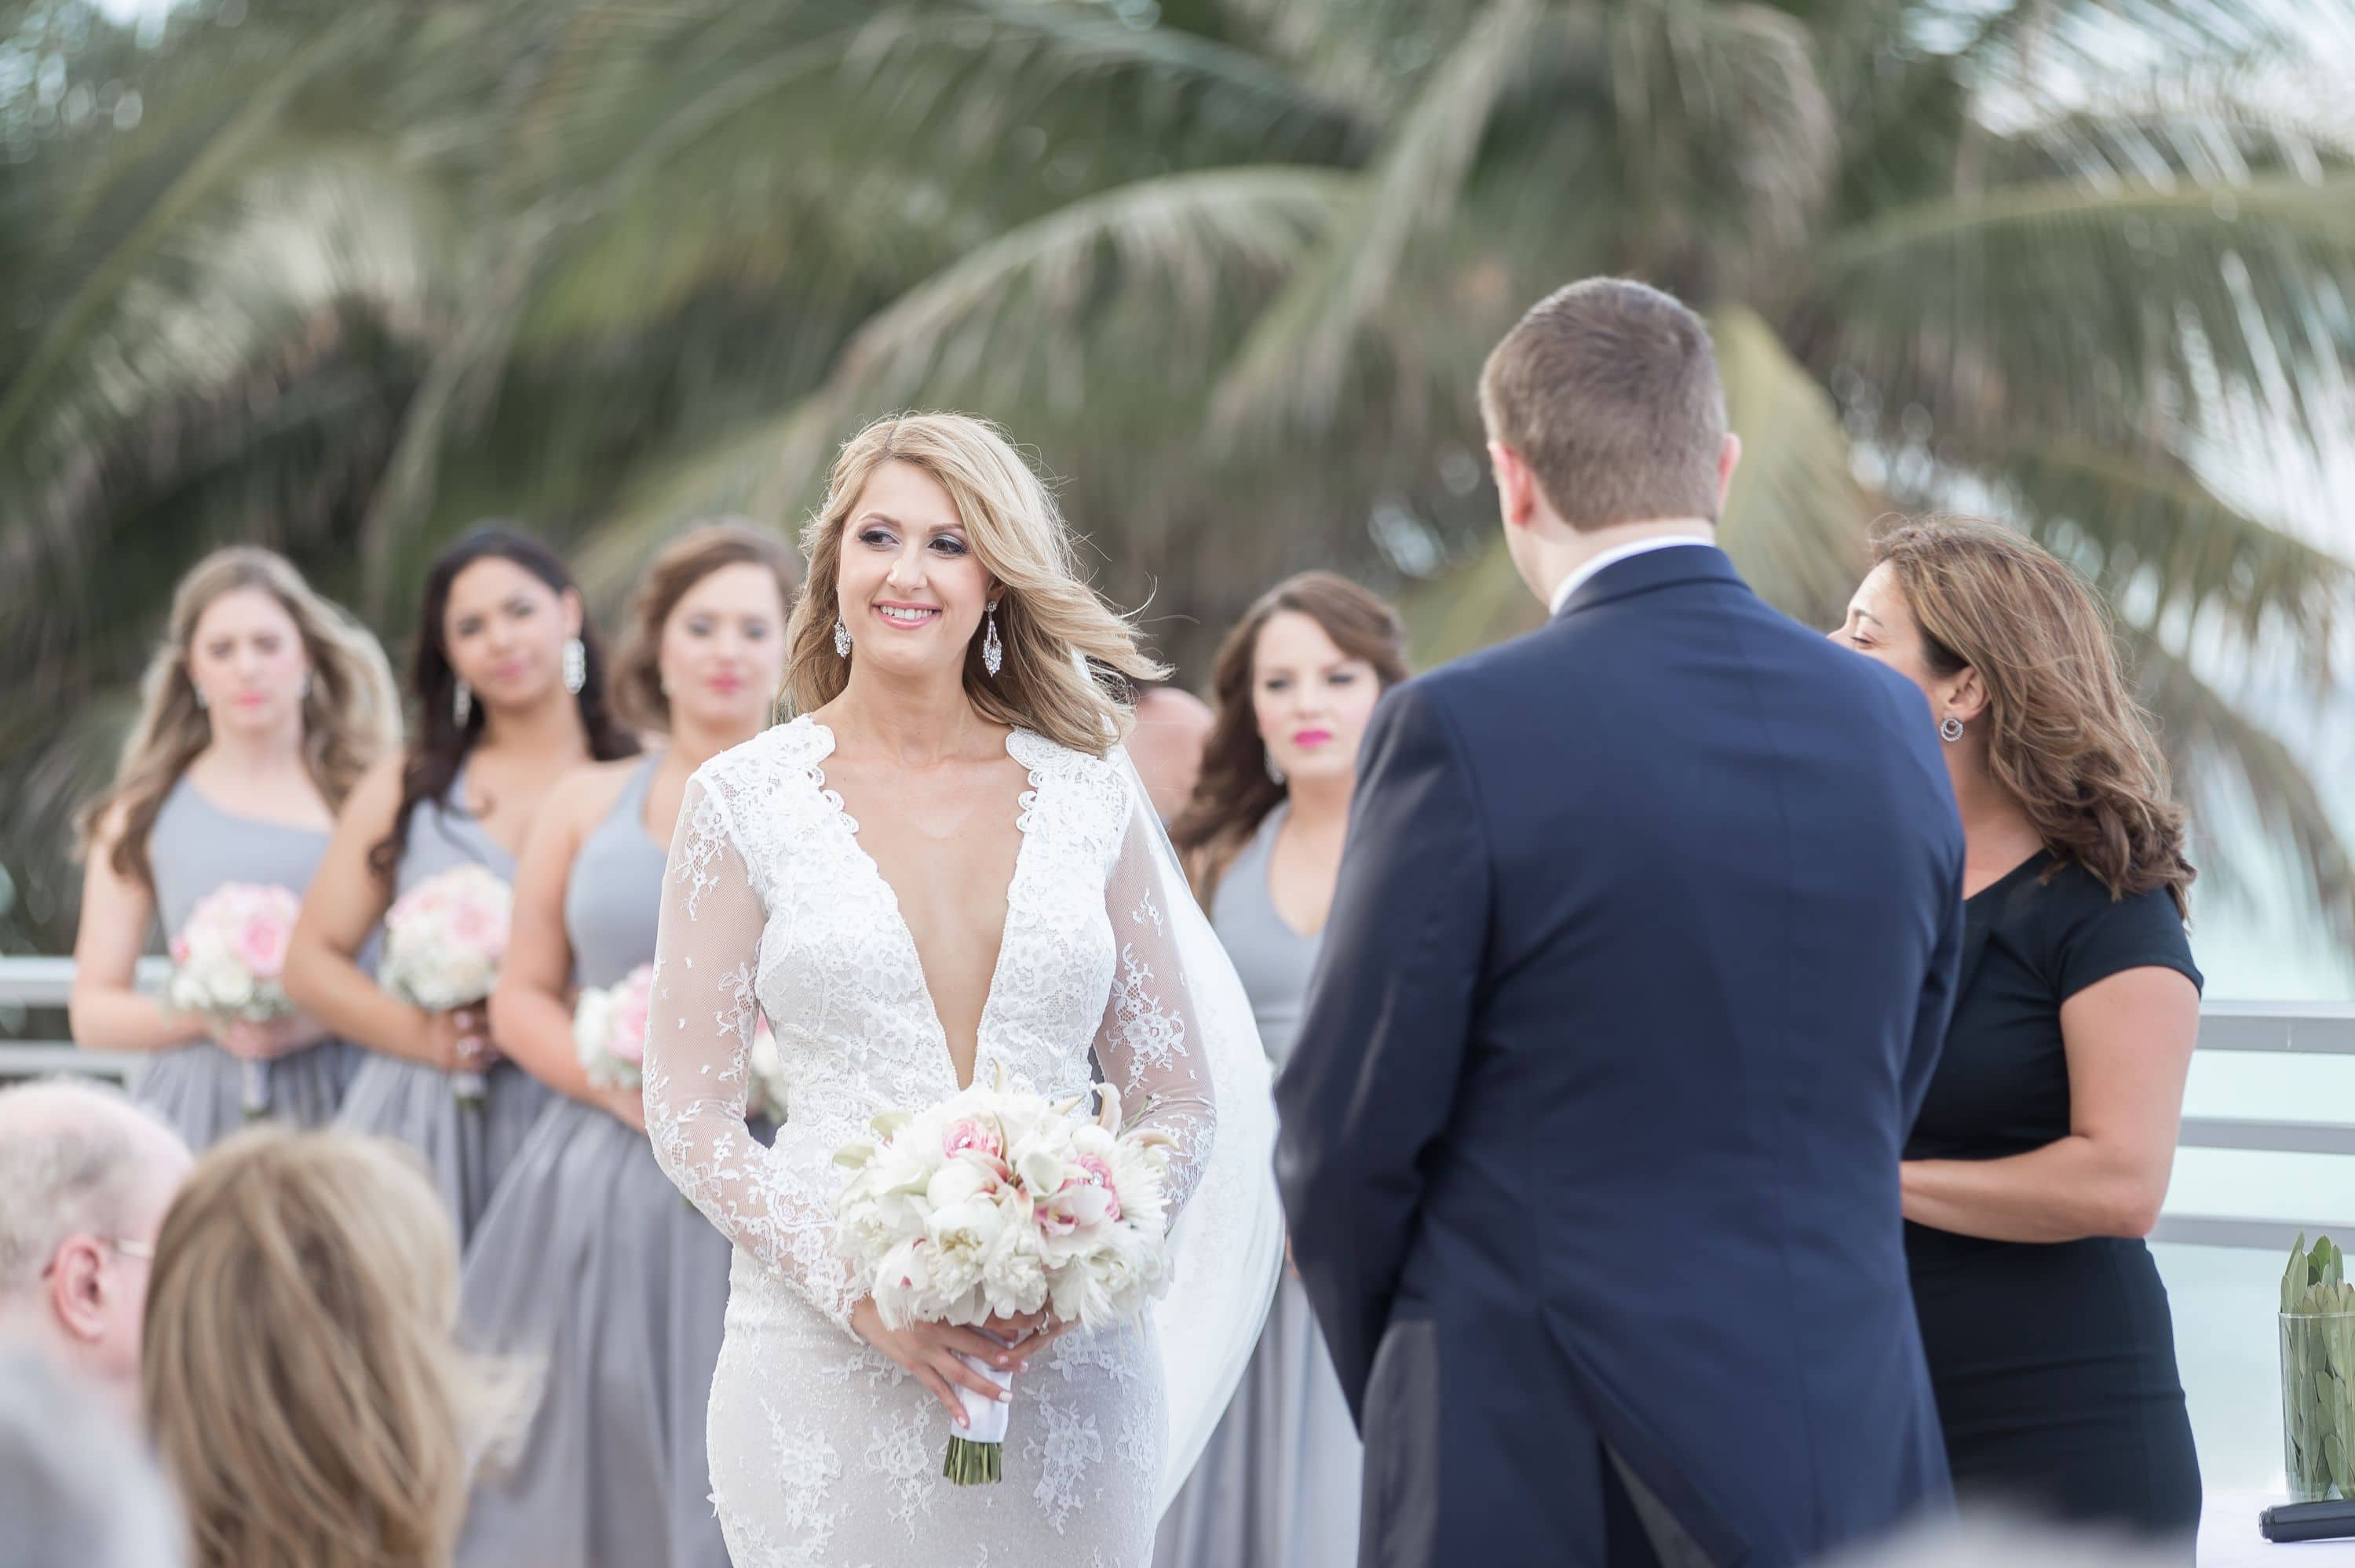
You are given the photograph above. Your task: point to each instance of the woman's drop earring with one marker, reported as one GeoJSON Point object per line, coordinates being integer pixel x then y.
{"type": "Point", "coordinates": [841, 638]}
{"type": "Point", "coordinates": [462, 703]}
{"type": "Point", "coordinates": [993, 651]}
{"type": "Point", "coordinates": [1274, 772]}
{"type": "Point", "coordinates": [576, 665]}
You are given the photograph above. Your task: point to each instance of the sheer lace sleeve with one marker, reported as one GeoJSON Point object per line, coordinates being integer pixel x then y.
{"type": "Point", "coordinates": [1150, 1043]}
{"type": "Point", "coordinates": [699, 1030]}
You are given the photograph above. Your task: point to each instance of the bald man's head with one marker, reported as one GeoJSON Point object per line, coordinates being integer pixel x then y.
{"type": "Point", "coordinates": [85, 1177]}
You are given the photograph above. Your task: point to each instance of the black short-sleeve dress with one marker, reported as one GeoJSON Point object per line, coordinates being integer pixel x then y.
{"type": "Point", "coordinates": [2054, 1364]}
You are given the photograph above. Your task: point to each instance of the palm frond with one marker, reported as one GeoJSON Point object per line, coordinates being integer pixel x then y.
{"type": "Point", "coordinates": [1796, 522]}
{"type": "Point", "coordinates": [2141, 312]}
{"type": "Point", "coordinates": [1064, 311]}
{"type": "Point", "coordinates": [1292, 369]}
{"type": "Point", "coordinates": [2146, 526]}
{"type": "Point", "coordinates": [2213, 746]}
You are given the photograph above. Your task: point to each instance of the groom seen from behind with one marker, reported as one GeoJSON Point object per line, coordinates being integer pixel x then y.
{"type": "Point", "coordinates": [1642, 948]}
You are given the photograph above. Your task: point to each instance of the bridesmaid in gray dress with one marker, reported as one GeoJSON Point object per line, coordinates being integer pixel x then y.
{"type": "Point", "coordinates": [261, 694]}
{"type": "Point", "coordinates": [511, 697]}
{"type": "Point", "coordinates": [1277, 1487]}
{"type": "Point", "coordinates": [588, 1265]}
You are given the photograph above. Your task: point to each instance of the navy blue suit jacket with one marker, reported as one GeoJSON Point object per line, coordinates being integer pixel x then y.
{"type": "Point", "coordinates": [1642, 953]}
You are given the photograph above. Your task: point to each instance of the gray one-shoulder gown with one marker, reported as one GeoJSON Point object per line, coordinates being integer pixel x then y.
{"type": "Point", "coordinates": [467, 1146]}
{"type": "Point", "coordinates": [196, 847]}
{"type": "Point", "coordinates": [591, 1264]}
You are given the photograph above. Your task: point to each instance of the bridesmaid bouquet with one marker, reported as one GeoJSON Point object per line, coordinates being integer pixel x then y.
{"type": "Point", "coordinates": [609, 1029]}
{"type": "Point", "coordinates": [444, 940]}
{"type": "Point", "coordinates": [226, 961]}
{"type": "Point", "coordinates": [995, 1204]}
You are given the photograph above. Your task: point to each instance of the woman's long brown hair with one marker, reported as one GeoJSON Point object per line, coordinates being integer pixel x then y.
{"type": "Point", "coordinates": [1235, 793]}
{"type": "Point", "coordinates": [2064, 737]}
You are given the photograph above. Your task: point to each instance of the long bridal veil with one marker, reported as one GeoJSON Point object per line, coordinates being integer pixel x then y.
{"type": "Point", "coordinates": [1228, 1246]}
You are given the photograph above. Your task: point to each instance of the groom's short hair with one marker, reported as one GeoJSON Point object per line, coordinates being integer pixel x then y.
{"type": "Point", "coordinates": [1608, 390]}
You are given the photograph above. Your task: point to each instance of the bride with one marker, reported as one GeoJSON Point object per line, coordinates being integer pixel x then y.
{"type": "Point", "coordinates": [946, 867]}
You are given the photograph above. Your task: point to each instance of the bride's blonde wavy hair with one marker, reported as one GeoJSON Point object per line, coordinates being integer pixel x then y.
{"type": "Point", "coordinates": [351, 714]}
{"type": "Point", "coordinates": [1069, 657]}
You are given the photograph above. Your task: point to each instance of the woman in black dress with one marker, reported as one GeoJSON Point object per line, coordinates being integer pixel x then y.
{"type": "Point", "coordinates": [2042, 1151]}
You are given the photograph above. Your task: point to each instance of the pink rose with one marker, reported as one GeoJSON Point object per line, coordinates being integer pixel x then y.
{"type": "Point", "coordinates": [1096, 1171]}
{"type": "Point", "coordinates": [179, 950]}
{"type": "Point", "coordinates": [262, 943]}
{"type": "Point", "coordinates": [628, 1043]}
{"type": "Point", "coordinates": [978, 1136]}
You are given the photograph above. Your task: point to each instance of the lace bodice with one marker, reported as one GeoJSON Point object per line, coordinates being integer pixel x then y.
{"type": "Point", "coordinates": [772, 906]}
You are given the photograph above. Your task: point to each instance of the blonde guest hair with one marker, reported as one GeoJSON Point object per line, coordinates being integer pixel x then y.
{"type": "Point", "coordinates": [299, 1378]}
{"type": "Point", "coordinates": [1067, 651]}
{"type": "Point", "coordinates": [351, 714]}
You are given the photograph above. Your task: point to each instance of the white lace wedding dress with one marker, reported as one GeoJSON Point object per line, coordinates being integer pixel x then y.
{"type": "Point", "coordinates": [824, 1451]}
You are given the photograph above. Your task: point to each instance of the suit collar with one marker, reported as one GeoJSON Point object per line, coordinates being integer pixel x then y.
{"type": "Point", "coordinates": [1652, 569]}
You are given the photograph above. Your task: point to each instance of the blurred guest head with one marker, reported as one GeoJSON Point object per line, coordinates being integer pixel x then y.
{"type": "Point", "coordinates": [1172, 726]}
{"type": "Point", "coordinates": [301, 1381]}
{"type": "Point", "coordinates": [2015, 655]}
{"type": "Point", "coordinates": [249, 653]}
{"type": "Point", "coordinates": [85, 1177]}
{"type": "Point", "coordinates": [1293, 686]}
{"type": "Point", "coordinates": [1605, 419]}
{"type": "Point", "coordinates": [1981, 1537]}
{"type": "Point", "coordinates": [707, 636]}
{"type": "Point", "coordinates": [933, 529]}
{"type": "Point", "coordinates": [501, 630]}
{"type": "Point", "coordinates": [77, 1489]}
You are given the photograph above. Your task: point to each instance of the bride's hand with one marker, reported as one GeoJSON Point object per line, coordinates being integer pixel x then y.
{"type": "Point", "coordinates": [931, 1351]}
{"type": "Point", "coordinates": [1029, 1333]}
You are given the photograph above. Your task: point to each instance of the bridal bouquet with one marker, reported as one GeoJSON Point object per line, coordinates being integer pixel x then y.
{"type": "Point", "coordinates": [225, 961]}
{"type": "Point", "coordinates": [609, 1029]}
{"type": "Point", "coordinates": [444, 940]}
{"type": "Point", "coordinates": [995, 1204]}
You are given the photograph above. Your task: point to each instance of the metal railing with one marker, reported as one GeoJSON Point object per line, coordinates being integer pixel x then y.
{"type": "Point", "coordinates": [2306, 1028]}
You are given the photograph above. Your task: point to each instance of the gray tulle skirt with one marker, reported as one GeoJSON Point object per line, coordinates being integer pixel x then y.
{"type": "Point", "coordinates": [1277, 1486]}
{"type": "Point", "coordinates": [209, 1094]}
{"type": "Point", "coordinates": [469, 1147]}
{"type": "Point", "coordinates": [591, 1268]}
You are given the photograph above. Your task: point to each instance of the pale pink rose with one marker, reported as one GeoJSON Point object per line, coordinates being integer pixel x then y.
{"type": "Point", "coordinates": [478, 928]}
{"type": "Point", "coordinates": [1095, 1170]}
{"type": "Point", "coordinates": [180, 949]}
{"type": "Point", "coordinates": [262, 943]}
{"type": "Point", "coordinates": [981, 1136]}
{"type": "Point", "coordinates": [627, 1042]}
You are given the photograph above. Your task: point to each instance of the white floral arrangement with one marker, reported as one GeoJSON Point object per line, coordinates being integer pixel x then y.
{"type": "Point", "coordinates": [995, 1204]}
{"type": "Point", "coordinates": [444, 942]}
{"type": "Point", "coordinates": [226, 961]}
{"type": "Point", "coordinates": [609, 1030]}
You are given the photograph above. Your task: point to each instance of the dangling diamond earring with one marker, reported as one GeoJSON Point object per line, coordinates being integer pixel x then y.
{"type": "Point", "coordinates": [462, 703]}
{"type": "Point", "coordinates": [1950, 729]}
{"type": "Point", "coordinates": [576, 665]}
{"type": "Point", "coordinates": [841, 638]}
{"type": "Point", "coordinates": [303, 691]}
{"type": "Point", "coordinates": [203, 702]}
{"type": "Point", "coordinates": [1274, 772]}
{"type": "Point", "coordinates": [993, 651]}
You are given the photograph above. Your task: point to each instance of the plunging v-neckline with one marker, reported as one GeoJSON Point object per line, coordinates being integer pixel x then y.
{"type": "Point", "coordinates": [914, 954]}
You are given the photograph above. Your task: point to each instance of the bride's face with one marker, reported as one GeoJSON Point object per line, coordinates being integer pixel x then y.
{"type": "Point", "coordinates": [909, 587]}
